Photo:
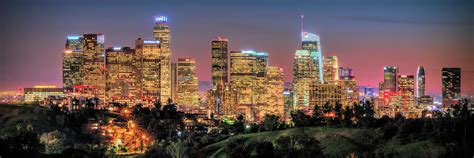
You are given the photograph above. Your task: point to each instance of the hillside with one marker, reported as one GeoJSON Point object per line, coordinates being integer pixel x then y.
{"type": "Point", "coordinates": [335, 142]}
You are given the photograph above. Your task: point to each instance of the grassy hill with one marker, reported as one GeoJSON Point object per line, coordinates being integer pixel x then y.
{"type": "Point", "coordinates": [336, 142]}
{"type": "Point", "coordinates": [20, 116]}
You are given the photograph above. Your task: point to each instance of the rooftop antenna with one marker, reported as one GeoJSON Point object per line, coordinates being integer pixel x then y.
{"type": "Point", "coordinates": [302, 16]}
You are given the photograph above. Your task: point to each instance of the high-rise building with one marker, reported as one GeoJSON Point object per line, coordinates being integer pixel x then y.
{"type": "Point", "coordinates": [330, 70]}
{"type": "Point", "coordinates": [312, 43]}
{"type": "Point", "coordinates": [349, 85]}
{"type": "Point", "coordinates": [148, 55]}
{"type": "Point", "coordinates": [93, 69]}
{"type": "Point", "coordinates": [72, 62]}
{"type": "Point", "coordinates": [161, 32]}
{"type": "Point", "coordinates": [390, 78]}
{"type": "Point", "coordinates": [120, 78]}
{"type": "Point", "coordinates": [406, 89]}
{"type": "Point", "coordinates": [274, 94]}
{"type": "Point", "coordinates": [451, 85]}
{"type": "Point", "coordinates": [174, 81]}
{"type": "Point", "coordinates": [420, 82]}
{"type": "Point", "coordinates": [305, 71]}
{"type": "Point", "coordinates": [245, 68]}
{"type": "Point", "coordinates": [187, 82]}
{"type": "Point", "coordinates": [219, 61]}
{"type": "Point", "coordinates": [39, 93]}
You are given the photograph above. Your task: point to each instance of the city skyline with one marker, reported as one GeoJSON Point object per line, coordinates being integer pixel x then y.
{"type": "Point", "coordinates": [246, 36]}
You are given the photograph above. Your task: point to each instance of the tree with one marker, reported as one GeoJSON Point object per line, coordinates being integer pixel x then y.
{"type": "Point", "coordinates": [271, 122]}
{"type": "Point", "coordinates": [265, 149]}
{"type": "Point", "coordinates": [54, 142]}
{"type": "Point", "coordinates": [339, 113]}
{"type": "Point", "coordinates": [177, 149]}
{"type": "Point", "coordinates": [300, 119]}
{"type": "Point", "coordinates": [318, 116]}
{"type": "Point", "coordinates": [347, 116]}
{"type": "Point", "coordinates": [157, 104]}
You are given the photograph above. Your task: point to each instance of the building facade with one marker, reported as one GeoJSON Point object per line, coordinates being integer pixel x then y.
{"type": "Point", "coordinates": [420, 82]}
{"type": "Point", "coordinates": [330, 70]}
{"type": "Point", "coordinates": [93, 69]}
{"type": "Point", "coordinates": [149, 68]}
{"type": "Point", "coordinates": [219, 61]}
{"type": "Point", "coordinates": [187, 82]}
{"type": "Point", "coordinates": [121, 81]}
{"type": "Point", "coordinates": [72, 62]}
{"type": "Point", "coordinates": [390, 74]}
{"type": "Point", "coordinates": [451, 85]}
{"type": "Point", "coordinates": [161, 32]}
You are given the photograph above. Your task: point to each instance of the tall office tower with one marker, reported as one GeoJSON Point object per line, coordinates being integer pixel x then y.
{"type": "Point", "coordinates": [330, 70]}
{"type": "Point", "coordinates": [72, 62]}
{"type": "Point", "coordinates": [274, 94]}
{"type": "Point", "coordinates": [148, 55]}
{"type": "Point", "coordinates": [261, 65]}
{"type": "Point", "coordinates": [223, 100]}
{"type": "Point", "coordinates": [420, 82]}
{"type": "Point", "coordinates": [174, 81]}
{"type": "Point", "coordinates": [94, 64]}
{"type": "Point", "coordinates": [451, 88]}
{"type": "Point", "coordinates": [304, 73]}
{"type": "Point", "coordinates": [243, 75]}
{"type": "Point", "coordinates": [219, 61]}
{"type": "Point", "coordinates": [120, 75]}
{"type": "Point", "coordinates": [390, 78]}
{"type": "Point", "coordinates": [406, 89]}
{"type": "Point", "coordinates": [187, 90]}
{"type": "Point", "coordinates": [349, 85]}
{"type": "Point", "coordinates": [312, 44]}
{"type": "Point", "coordinates": [161, 32]}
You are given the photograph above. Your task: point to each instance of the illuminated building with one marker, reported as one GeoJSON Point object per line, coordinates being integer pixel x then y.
{"type": "Point", "coordinates": [390, 78]}
{"type": "Point", "coordinates": [349, 85]}
{"type": "Point", "coordinates": [120, 75]}
{"type": "Point", "coordinates": [247, 75]}
{"type": "Point", "coordinates": [148, 55]}
{"type": "Point", "coordinates": [187, 82]}
{"type": "Point", "coordinates": [223, 99]}
{"type": "Point", "coordinates": [72, 62]}
{"type": "Point", "coordinates": [406, 89]}
{"type": "Point", "coordinates": [321, 94]}
{"type": "Point", "coordinates": [39, 93]}
{"type": "Point", "coordinates": [174, 81]}
{"type": "Point", "coordinates": [94, 64]}
{"type": "Point", "coordinates": [275, 87]}
{"type": "Point", "coordinates": [312, 43]}
{"type": "Point", "coordinates": [288, 101]}
{"type": "Point", "coordinates": [305, 71]}
{"type": "Point", "coordinates": [420, 82]}
{"type": "Point", "coordinates": [161, 32]}
{"type": "Point", "coordinates": [451, 85]}
{"type": "Point", "coordinates": [330, 70]}
{"type": "Point", "coordinates": [219, 61]}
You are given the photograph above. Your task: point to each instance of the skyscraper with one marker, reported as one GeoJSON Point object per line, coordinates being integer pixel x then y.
{"type": "Point", "coordinates": [161, 32]}
{"type": "Point", "coordinates": [187, 82]}
{"type": "Point", "coordinates": [274, 94]}
{"type": "Point", "coordinates": [390, 78]}
{"type": "Point", "coordinates": [349, 85]}
{"type": "Point", "coordinates": [451, 88]}
{"type": "Point", "coordinates": [94, 64]}
{"type": "Point", "coordinates": [303, 75]}
{"type": "Point", "coordinates": [420, 82]}
{"type": "Point", "coordinates": [243, 75]}
{"type": "Point", "coordinates": [219, 61]}
{"type": "Point", "coordinates": [120, 75]}
{"type": "Point", "coordinates": [330, 70]}
{"type": "Point", "coordinates": [406, 89]}
{"type": "Point", "coordinates": [72, 62]}
{"type": "Point", "coordinates": [149, 61]}
{"type": "Point", "coordinates": [174, 81]}
{"type": "Point", "coordinates": [312, 43]}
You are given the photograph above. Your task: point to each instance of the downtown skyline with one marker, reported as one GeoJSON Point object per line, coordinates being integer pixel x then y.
{"type": "Point", "coordinates": [415, 42]}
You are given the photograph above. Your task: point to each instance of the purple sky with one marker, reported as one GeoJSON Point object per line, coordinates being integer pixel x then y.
{"type": "Point", "coordinates": [365, 35]}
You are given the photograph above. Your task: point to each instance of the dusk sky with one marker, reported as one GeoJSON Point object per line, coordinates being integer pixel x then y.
{"type": "Point", "coordinates": [365, 35]}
